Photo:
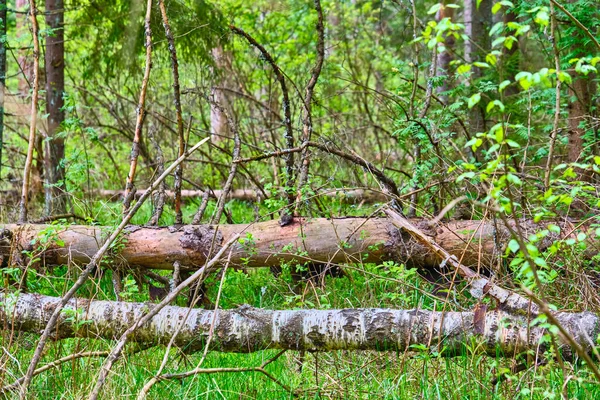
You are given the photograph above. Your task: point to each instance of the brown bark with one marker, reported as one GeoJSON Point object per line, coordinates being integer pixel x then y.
{"type": "Point", "coordinates": [346, 240]}
{"type": "Point", "coordinates": [247, 329]}
{"type": "Point", "coordinates": [581, 92]}
{"type": "Point", "coordinates": [34, 105]}
{"type": "Point", "coordinates": [477, 25]}
{"type": "Point", "coordinates": [2, 75]}
{"type": "Point", "coordinates": [444, 58]}
{"type": "Point", "coordinates": [25, 60]}
{"type": "Point", "coordinates": [141, 112]}
{"type": "Point", "coordinates": [55, 87]}
{"type": "Point", "coordinates": [178, 112]}
{"type": "Point", "coordinates": [219, 128]}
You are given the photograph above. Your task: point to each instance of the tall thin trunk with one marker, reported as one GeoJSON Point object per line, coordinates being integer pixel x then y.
{"type": "Point", "coordinates": [25, 60]}
{"type": "Point", "coordinates": [178, 112]}
{"type": "Point", "coordinates": [2, 75]}
{"type": "Point", "coordinates": [581, 92]}
{"type": "Point", "coordinates": [34, 105]}
{"type": "Point", "coordinates": [510, 57]}
{"type": "Point", "coordinates": [444, 58]}
{"type": "Point", "coordinates": [55, 87]}
{"type": "Point", "coordinates": [141, 114]}
{"type": "Point", "coordinates": [477, 25]}
{"type": "Point", "coordinates": [219, 128]}
{"type": "Point", "coordinates": [25, 82]}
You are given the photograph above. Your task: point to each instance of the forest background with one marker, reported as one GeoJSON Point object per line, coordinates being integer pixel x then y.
{"type": "Point", "coordinates": [339, 130]}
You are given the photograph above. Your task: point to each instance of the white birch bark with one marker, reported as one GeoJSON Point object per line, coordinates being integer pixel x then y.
{"type": "Point", "coordinates": [247, 329]}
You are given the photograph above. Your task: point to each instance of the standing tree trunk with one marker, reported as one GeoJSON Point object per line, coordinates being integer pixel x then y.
{"type": "Point", "coordinates": [581, 93]}
{"type": "Point", "coordinates": [55, 87]}
{"type": "Point", "coordinates": [25, 82]}
{"type": "Point", "coordinates": [2, 75]}
{"type": "Point", "coordinates": [444, 58]}
{"type": "Point", "coordinates": [477, 25]}
{"type": "Point", "coordinates": [25, 60]}
{"type": "Point", "coordinates": [219, 129]}
{"type": "Point", "coordinates": [34, 106]}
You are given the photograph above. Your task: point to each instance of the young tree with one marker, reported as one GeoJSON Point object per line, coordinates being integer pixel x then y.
{"type": "Point", "coordinates": [2, 74]}
{"type": "Point", "coordinates": [477, 19]}
{"type": "Point", "coordinates": [55, 87]}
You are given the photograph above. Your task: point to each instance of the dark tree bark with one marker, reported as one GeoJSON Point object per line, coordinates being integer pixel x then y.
{"type": "Point", "coordinates": [55, 87]}
{"type": "Point", "coordinates": [444, 58]}
{"type": "Point", "coordinates": [477, 25]}
{"type": "Point", "coordinates": [2, 75]}
{"type": "Point", "coordinates": [581, 93]}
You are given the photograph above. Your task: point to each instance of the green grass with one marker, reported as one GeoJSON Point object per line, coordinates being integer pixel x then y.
{"type": "Point", "coordinates": [335, 375]}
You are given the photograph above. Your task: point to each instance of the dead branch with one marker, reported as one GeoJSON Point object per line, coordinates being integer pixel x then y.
{"type": "Point", "coordinates": [141, 113]}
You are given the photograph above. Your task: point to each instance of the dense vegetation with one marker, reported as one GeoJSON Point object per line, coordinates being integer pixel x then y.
{"type": "Point", "coordinates": [476, 110]}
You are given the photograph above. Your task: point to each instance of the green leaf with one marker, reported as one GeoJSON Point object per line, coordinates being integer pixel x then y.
{"type": "Point", "coordinates": [513, 246]}
{"type": "Point", "coordinates": [481, 64]}
{"type": "Point", "coordinates": [503, 85]}
{"type": "Point", "coordinates": [497, 27]}
{"type": "Point", "coordinates": [473, 100]}
{"type": "Point", "coordinates": [463, 69]}
{"type": "Point", "coordinates": [542, 17]}
{"type": "Point", "coordinates": [498, 41]}
{"type": "Point", "coordinates": [554, 228]}
{"type": "Point", "coordinates": [466, 175]}
{"type": "Point", "coordinates": [539, 261]}
{"type": "Point", "coordinates": [435, 8]}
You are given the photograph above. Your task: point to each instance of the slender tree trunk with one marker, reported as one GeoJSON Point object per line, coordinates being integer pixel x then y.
{"type": "Point", "coordinates": [25, 83]}
{"type": "Point", "coordinates": [581, 93]}
{"type": "Point", "coordinates": [34, 105]}
{"type": "Point", "coordinates": [141, 113]}
{"type": "Point", "coordinates": [2, 75]}
{"type": "Point", "coordinates": [247, 329]}
{"type": "Point", "coordinates": [55, 87]}
{"type": "Point", "coordinates": [25, 59]}
{"type": "Point", "coordinates": [477, 25]}
{"type": "Point", "coordinates": [510, 58]}
{"type": "Point", "coordinates": [219, 128]}
{"type": "Point", "coordinates": [444, 58]}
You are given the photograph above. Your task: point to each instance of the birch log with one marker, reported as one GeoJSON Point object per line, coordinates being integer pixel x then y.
{"type": "Point", "coordinates": [247, 329]}
{"type": "Point", "coordinates": [320, 240]}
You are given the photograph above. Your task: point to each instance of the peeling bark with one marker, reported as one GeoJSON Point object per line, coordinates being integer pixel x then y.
{"type": "Point", "coordinates": [320, 240]}
{"type": "Point", "coordinates": [247, 329]}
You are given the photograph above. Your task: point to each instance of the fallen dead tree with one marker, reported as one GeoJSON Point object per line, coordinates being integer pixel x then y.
{"type": "Point", "coordinates": [247, 329]}
{"type": "Point", "coordinates": [356, 195]}
{"type": "Point", "coordinates": [319, 240]}
{"type": "Point", "coordinates": [253, 195]}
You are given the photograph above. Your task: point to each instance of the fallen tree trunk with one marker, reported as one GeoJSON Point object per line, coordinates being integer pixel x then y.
{"type": "Point", "coordinates": [318, 240]}
{"type": "Point", "coordinates": [247, 329]}
{"type": "Point", "coordinates": [356, 195]}
{"type": "Point", "coordinates": [251, 195]}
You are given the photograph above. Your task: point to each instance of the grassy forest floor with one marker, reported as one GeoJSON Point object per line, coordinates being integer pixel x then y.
{"type": "Point", "coordinates": [341, 374]}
